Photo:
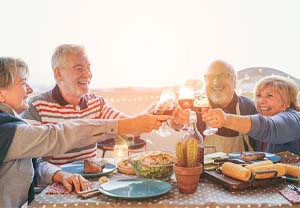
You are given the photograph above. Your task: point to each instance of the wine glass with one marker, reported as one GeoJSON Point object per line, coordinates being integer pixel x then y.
{"type": "Point", "coordinates": [185, 99]}
{"type": "Point", "coordinates": [201, 104]}
{"type": "Point", "coordinates": [165, 106]}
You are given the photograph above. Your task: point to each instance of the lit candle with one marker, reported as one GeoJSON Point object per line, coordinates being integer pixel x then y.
{"type": "Point", "coordinates": [120, 152]}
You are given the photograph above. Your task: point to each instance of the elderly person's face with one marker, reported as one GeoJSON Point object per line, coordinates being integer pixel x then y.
{"type": "Point", "coordinates": [269, 102]}
{"type": "Point", "coordinates": [16, 95]}
{"type": "Point", "coordinates": [220, 84]}
{"type": "Point", "coordinates": [75, 76]}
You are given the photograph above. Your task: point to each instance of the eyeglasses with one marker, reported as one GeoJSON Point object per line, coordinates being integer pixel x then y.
{"type": "Point", "coordinates": [211, 77]}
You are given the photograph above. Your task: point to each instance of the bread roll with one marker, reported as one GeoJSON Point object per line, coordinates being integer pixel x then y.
{"type": "Point", "coordinates": [262, 163]}
{"type": "Point", "coordinates": [291, 170]}
{"type": "Point", "coordinates": [236, 171]}
{"type": "Point", "coordinates": [279, 167]}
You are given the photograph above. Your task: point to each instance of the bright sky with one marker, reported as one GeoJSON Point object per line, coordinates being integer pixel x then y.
{"type": "Point", "coordinates": [152, 42]}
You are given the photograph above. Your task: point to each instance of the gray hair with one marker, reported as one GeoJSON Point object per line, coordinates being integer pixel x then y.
{"type": "Point", "coordinates": [10, 68]}
{"type": "Point", "coordinates": [60, 53]}
{"type": "Point", "coordinates": [286, 87]}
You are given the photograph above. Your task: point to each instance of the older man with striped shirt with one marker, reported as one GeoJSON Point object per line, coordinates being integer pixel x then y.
{"type": "Point", "coordinates": [70, 99]}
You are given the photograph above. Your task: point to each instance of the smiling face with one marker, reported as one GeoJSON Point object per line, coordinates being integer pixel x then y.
{"type": "Point", "coordinates": [269, 102]}
{"type": "Point", "coordinates": [16, 95]}
{"type": "Point", "coordinates": [220, 83]}
{"type": "Point", "coordinates": [74, 77]}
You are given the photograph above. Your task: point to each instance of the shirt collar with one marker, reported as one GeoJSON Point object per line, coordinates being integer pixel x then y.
{"type": "Point", "coordinates": [57, 96]}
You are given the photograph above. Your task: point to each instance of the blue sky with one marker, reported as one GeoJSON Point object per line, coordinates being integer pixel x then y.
{"type": "Point", "coordinates": [153, 42]}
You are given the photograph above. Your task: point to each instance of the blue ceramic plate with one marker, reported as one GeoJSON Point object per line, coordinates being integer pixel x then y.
{"type": "Point", "coordinates": [269, 156]}
{"type": "Point", "coordinates": [135, 188]}
{"type": "Point", "coordinates": [77, 167]}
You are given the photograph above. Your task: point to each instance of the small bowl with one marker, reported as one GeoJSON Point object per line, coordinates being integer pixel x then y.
{"type": "Point", "coordinates": [153, 164]}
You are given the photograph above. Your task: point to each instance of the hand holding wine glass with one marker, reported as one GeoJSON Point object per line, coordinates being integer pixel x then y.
{"type": "Point", "coordinates": [202, 105]}
{"type": "Point", "coordinates": [165, 106]}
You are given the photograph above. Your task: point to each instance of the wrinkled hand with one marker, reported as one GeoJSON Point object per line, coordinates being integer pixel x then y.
{"type": "Point", "coordinates": [71, 181]}
{"type": "Point", "coordinates": [215, 118]}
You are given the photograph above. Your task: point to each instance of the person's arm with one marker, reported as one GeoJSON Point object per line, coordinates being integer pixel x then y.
{"type": "Point", "coordinates": [217, 118]}
{"type": "Point", "coordinates": [45, 171]}
{"type": "Point", "coordinates": [278, 129]}
{"type": "Point", "coordinates": [48, 173]}
{"type": "Point", "coordinates": [238, 123]}
{"type": "Point", "coordinates": [47, 140]}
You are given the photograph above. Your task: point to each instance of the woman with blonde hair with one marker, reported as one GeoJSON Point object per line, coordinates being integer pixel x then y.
{"type": "Point", "coordinates": [278, 121]}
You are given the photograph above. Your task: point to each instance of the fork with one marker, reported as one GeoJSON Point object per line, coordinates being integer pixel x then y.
{"type": "Point", "coordinates": [294, 188]}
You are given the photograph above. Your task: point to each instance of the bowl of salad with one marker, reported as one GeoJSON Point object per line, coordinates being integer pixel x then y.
{"type": "Point", "coordinates": [153, 164]}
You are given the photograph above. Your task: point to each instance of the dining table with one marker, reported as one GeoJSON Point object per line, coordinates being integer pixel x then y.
{"type": "Point", "coordinates": [208, 194]}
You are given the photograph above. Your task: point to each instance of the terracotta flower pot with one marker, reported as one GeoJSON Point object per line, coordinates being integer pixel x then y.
{"type": "Point", "coordinates": [188, 178]}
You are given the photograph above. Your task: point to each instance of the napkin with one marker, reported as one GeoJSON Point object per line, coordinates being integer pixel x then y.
{"type": "Point", "coordinates": [292, 196]}
{"type": "Point", "coordinates": [57, 188]}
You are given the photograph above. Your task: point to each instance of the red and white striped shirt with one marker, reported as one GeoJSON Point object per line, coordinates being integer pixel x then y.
{"type": "Point", "coordinates": [50, 107]}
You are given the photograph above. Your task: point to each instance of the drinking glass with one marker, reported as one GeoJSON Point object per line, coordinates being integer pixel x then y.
{"type": "Point", "coordinates": [185, 99]}
{"type": "Point", "coordinates": [201, 104]}
{"type": "Point", "coordinates": [165, 106]}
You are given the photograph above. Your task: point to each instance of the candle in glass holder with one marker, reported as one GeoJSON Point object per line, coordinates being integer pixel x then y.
{"type": "Point", "coordinates": [120, 152]}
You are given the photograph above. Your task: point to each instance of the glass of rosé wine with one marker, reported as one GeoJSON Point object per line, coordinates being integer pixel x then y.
{"type": "Point", "coordinates": [186, 99]}
{"type": "Point", "coordinates": [202, 105]}
{"type": "Point", "coordinates": [165, 106]}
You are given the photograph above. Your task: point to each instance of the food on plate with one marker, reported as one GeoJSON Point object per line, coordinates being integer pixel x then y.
{"type": "Point", "coordinates": [153, 164]}
{"type": "Point", "coordinates": [157, 158]}
{"type": "Point", "coordinates": [215, 155]}
{"type": "Point", "coordinates": [288, 157]}
{"type": "Point", "coordinates": [210, 166]}
{"type": "Point", "coordinates": [103, 179]}
{"type": "Point", "coordinates": [279, 167]}
{"type": "Point", "coordinates": [236, 171]}
{"type": "Point", "coordinates": [125, 167]}
{"type": "Point", "coordinates": [93, 165]}
{"type": "Point", "coordinates": [262, 163]}
{"type": "Point", "coordinates": [209, 160]}
{"type": "Point", "coordinates": [252, 155]}
{"type": "Point", "coordinates": [291, 170]}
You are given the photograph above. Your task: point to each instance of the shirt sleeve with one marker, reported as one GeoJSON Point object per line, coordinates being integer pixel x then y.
{"type": "Point", "coordinates": [45, 171]}
{"type": "Point", "coordinates": [277, 129]}
{"type": "Point", "coordinates": [48, 140]}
